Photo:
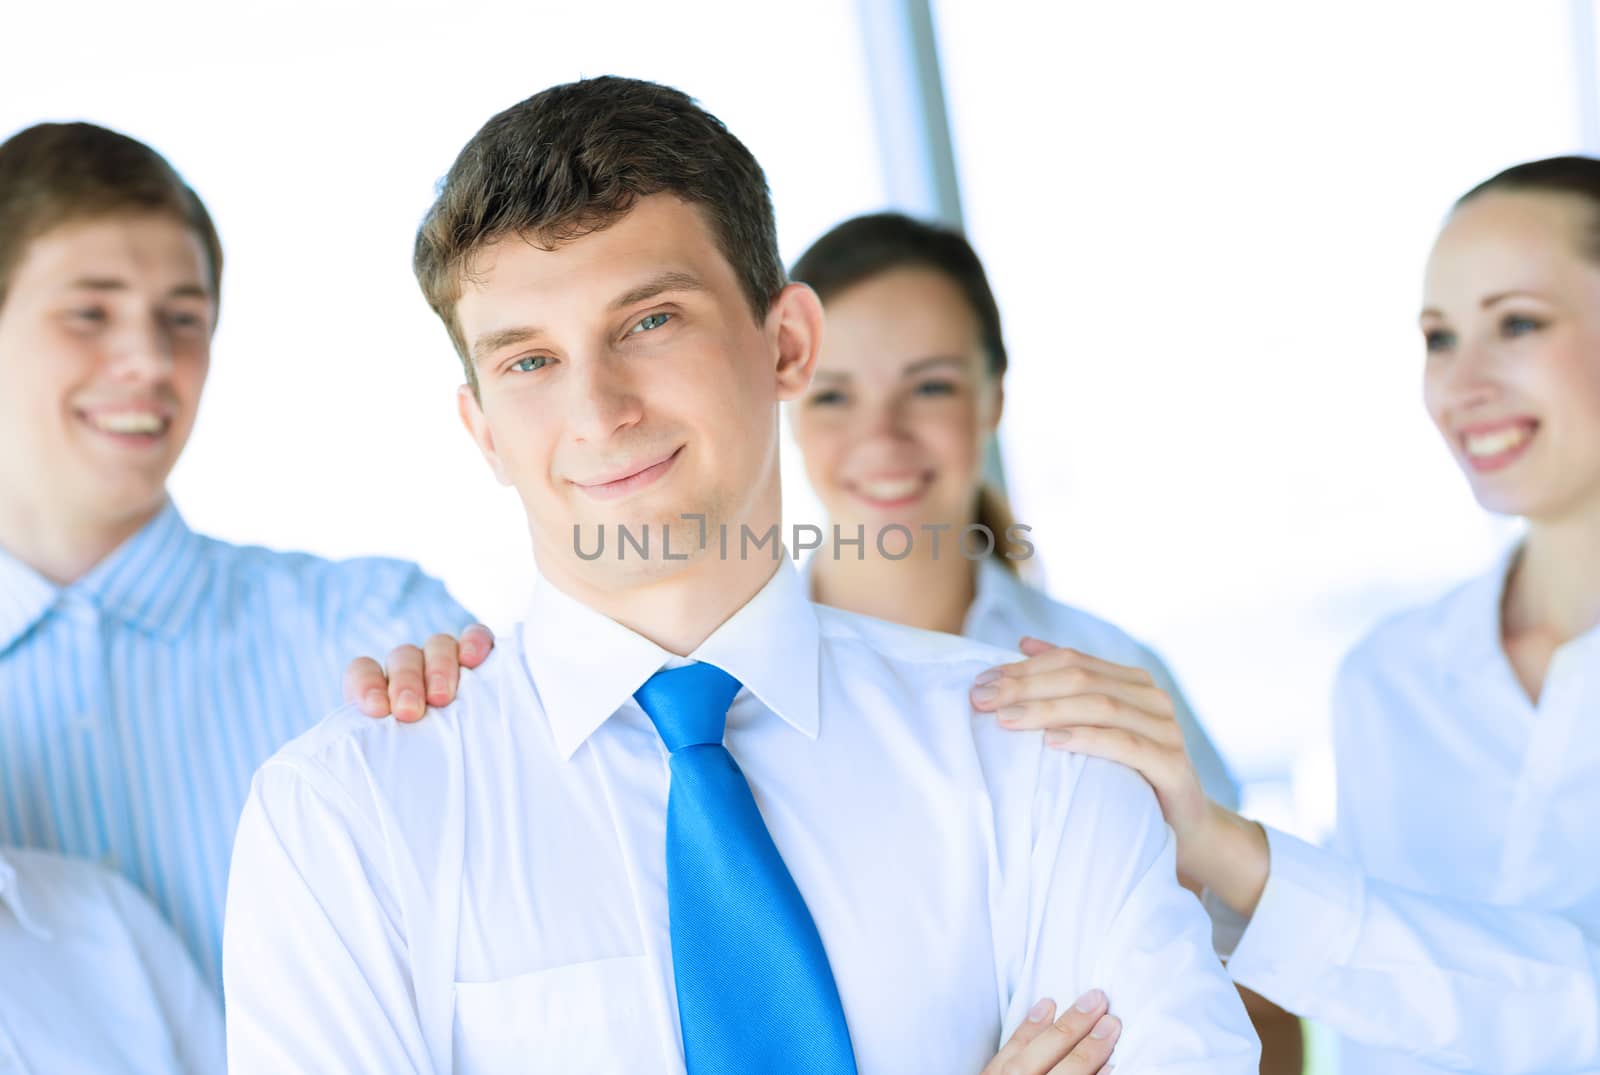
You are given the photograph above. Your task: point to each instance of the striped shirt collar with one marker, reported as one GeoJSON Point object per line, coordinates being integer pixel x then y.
{"type": "Point", "coordinates": [25, 596]}
{"type": "Point", "coordinates": [152, 581]}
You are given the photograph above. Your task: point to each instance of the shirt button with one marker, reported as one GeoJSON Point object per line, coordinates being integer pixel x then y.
{"type": "Point", "coordinates": [82, 723]}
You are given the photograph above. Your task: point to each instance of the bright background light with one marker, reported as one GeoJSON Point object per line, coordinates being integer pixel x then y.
{"type": "Point", "coordinates": [1205, 224]}
{"type": "Point", "coordinates": [316, 133]}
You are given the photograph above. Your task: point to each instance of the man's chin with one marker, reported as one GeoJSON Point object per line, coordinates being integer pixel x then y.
{"type": "Point", "coordinates": [111, 507]}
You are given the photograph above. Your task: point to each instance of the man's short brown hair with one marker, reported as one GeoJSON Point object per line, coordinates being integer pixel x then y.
{"type": "Point", "coordinates": [55, 173]}
{"type": "Point", "coordinates": [575, 158]}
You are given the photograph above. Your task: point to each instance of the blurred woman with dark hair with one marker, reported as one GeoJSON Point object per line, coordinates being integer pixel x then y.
{"type": "Point", "coordinates": [907, 396]}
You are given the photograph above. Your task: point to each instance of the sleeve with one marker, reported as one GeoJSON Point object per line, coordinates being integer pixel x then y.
{"type": "Point", "coordinates": [1466, 987]}
{"type": "Point", "coordinates": [1106, 910]}
{"type": "Point", "coordinates": [1208, 764]}
{"type": "Point", "coordinates": [186, 1001]}
{"type": "Point", "coordinates": [315, 966]}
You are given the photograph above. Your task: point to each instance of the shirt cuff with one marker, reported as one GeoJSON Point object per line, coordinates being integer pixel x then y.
{"type": "Point", "coordinates": [1227, 925]}
{"type": "Point", "coordinates": [1309, 919]}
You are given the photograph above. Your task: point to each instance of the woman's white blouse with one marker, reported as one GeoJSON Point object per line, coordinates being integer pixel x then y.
{"type": "Point", "coordinates": [1456, 927]}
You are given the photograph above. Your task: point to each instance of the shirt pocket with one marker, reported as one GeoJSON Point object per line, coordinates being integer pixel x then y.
{"type": "Point", "coordinates": [595, 1016]}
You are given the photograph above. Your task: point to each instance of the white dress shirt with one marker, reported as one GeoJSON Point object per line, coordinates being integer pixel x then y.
{"type": "Point", "coordinates": [485, 890]}
{"type": "Point", "coordinates": [1459, 927]}
{"type": "Point", "coordinates": [92, 980]}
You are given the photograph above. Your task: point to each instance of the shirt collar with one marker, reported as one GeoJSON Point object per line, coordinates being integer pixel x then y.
{"type": "Point", "coordinates": [11, 896]}
{"type": "Point", "coordinates": [1473, 626]}
{"type": "Point", "coordinates": [586, 666]}
{"type": "Point", "coordinates": [153, 580]}
{"type": "Point", "coordinates": [25, 597]}
{"type": "Point", "coordinates": [998, 594]}
{"type": "Point", "coordinates": [1471, 635]}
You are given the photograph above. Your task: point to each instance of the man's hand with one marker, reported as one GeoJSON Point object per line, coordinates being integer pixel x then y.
{"type": "Point", "coordinates": [1078, 1043]}
{"type": "Point", "coordinates": [438, 664]}
{"type": "Point", "coordinates": [1090, 706]}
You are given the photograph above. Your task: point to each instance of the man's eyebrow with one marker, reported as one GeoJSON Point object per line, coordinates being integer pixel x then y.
{"type": "Point", "coordinates": [98, 283]}
{"type": "Point", "coordinates": [112, 283]}
{"type": "Point", "coordinates": [672, 280]}
{"type": "Point", "coordinates": [488, 344]}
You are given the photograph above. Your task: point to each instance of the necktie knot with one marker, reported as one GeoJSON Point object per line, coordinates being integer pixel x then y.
{"type": "Point", "coordinates": [688, 705]}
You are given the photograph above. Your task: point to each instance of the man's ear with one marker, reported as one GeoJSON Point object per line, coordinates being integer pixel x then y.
{"type": "Point", "coordinates": [794, 323]}
{"type": "Point", "coordinates": [478, 428]}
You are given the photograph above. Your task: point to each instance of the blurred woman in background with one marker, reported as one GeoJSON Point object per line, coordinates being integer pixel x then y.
{"type": "Point", "coordinates": [908, 393]}
{"type": "Point", "coordinates": [1457, 925]}
{"type": "Point", "coordinates": [907, 396]}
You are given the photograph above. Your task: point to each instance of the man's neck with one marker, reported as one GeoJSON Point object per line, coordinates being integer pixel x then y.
{"type": "Point", "coordinates": [64, 549]}
{"type": "Point", "coordinates": [918, 591]}
{"type": "Point", "coordinates": [679, 611]}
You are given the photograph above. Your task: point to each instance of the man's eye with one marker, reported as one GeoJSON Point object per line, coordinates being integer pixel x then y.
{"type": "Point", "coordinates": [827, 397]}
{"type": "Point", "coordinates": [530, 363]}
{"type": "Point", "coordinates": [936, 388]}
{"type": "Point", "coordinates": [649, 322]}
{"type": "Point", "coordinates": [185, 321]}
{"type": "Point", "coordinates": [88, 315]}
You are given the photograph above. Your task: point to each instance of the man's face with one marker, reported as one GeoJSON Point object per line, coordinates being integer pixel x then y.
{"type": "Point", "coordinates": [105, 339]}
{"type": "Point", "coordinates": [625, 382]}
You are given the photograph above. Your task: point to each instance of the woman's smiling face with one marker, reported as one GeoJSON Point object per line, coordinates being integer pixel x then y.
{"type": "Point", "coordinates": [1511, 322]}
{"type": "Point", "coordinates": [894, 426]}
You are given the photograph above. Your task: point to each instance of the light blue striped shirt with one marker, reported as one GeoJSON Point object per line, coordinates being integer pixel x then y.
{"type": "Point", "coordinates": [136, 704]}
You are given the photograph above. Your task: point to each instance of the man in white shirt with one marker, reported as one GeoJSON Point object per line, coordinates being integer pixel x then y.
{"type": "Point", "coordinates": [566, 869]}
{"type": "Point", "coordinates": [91, 978]}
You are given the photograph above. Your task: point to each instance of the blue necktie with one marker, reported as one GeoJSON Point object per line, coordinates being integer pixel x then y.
{"type": "Point", "coordinates": [755, 993]}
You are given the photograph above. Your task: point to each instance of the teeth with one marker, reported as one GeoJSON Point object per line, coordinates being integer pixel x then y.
{"type": "Point", "coordinates": [892, 490]}
{"type": "Point", "coordinates": [129, 422]}
{"type": "Point", "coordinates": [1480, 445]}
